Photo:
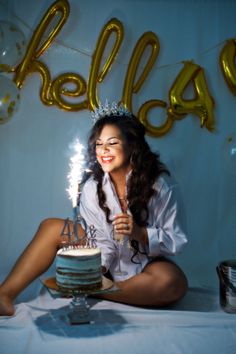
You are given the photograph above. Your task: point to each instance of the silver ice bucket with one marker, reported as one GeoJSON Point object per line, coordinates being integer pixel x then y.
{"type": "Point", "coordinates": [226, 271]}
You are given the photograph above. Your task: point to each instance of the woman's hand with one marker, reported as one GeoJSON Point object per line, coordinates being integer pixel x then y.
{"type": "Point", "coordinates": [125, 224]}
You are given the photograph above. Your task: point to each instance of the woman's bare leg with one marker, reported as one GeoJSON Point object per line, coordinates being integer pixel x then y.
{"type": "Point", "coordinates": [160, 284]}
{"type": "Point", "coordinates": [35, 260]}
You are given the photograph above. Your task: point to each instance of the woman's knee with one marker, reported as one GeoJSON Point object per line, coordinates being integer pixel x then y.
{"type": "Point", "coordinates": [60, 227]}
{"type": "Point", "coordinates": [51, 225]}
{"type": "Point", "coordinates": [169, 282]}
{"type": "Point", "coordinates": [174, 286]}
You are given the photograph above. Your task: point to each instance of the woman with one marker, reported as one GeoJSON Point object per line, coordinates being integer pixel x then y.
{"type": "Point", "coordinates": [130, 199]}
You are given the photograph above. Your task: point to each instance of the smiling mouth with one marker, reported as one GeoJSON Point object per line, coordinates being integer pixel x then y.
{"type": "Point", "coordinates": [107, 159]}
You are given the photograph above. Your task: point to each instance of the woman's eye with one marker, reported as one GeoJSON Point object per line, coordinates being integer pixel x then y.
{"type": "Point", "coordinates": [109, 143]}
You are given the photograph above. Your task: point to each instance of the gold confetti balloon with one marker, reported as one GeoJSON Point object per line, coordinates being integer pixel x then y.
{"type": "Point", "coordinates": [12, 46]}
{"type": "Point", "coordinates": [9, 98]}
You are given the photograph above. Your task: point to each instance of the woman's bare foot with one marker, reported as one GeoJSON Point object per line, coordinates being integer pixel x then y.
{"type": "Point", "coordinates": [6, 305]}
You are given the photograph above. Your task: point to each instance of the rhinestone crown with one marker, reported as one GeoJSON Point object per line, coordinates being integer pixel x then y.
{"type": "Point", "coordinates": [108, 110]}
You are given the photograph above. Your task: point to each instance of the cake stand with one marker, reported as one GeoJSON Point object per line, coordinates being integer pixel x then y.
{"type": "Point", "coordinates": [79, 312]}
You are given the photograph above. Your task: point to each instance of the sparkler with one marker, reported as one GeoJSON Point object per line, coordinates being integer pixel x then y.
{"type": "Point", "coordinates": [77, 168]}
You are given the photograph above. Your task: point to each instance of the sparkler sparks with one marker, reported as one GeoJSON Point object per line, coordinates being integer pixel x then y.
{"type": "Point", "coordinates": [77, 167]}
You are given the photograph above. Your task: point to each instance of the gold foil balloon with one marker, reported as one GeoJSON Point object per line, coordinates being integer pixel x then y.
{"type": "Point", "coordinates": [227, 63]}
{"type": "Point", "coordinates": [130, 86]}
{"type": "Point", "coordinates": [35, 48]}
{"type": "Point", "coordinates": [9, 98]}
{"type": "Point", "coordinates": [67, 86]}
{"type": "Point", "coordinates": [97, 74]}
{"type": "Point", "coordinates": [201, 104]}
{"type": "Point", "coordinates": [156, 131]}
{"type": "Point", "coordinates": [12, 46]}
{"type": "Point", "coordinates": [59, 89]}
{"type": "Point", "coordinates": [45, 91]}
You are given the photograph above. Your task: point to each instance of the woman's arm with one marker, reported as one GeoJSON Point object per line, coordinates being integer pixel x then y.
{"type": "Point", "coordinates": [165, 230]}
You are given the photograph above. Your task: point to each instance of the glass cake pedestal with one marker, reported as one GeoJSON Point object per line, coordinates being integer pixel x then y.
{"type": "Point", "coordinates": [79, 309]}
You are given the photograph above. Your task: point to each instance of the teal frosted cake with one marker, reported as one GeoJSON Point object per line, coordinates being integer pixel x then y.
{"type": "Point", "coordinates": [78, 269]}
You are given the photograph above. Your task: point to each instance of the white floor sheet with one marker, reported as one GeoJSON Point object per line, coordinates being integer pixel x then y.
{"type": "Point", "coordinates": [196, 325]}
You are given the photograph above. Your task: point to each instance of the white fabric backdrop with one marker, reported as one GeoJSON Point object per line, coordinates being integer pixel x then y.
{"type": "Point", "coordinates": [35, 152]}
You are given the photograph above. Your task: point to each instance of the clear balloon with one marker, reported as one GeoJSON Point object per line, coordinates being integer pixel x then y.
{"type": "Point", "coordinates": [9, 98]}
{"type": "Point", "coordinates": [12, 46]}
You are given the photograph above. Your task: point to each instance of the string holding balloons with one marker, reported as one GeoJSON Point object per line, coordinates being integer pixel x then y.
{"type": "Point", "coordinates": [9, 98]}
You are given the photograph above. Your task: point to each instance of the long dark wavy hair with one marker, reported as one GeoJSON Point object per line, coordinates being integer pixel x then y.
{"type": "Point", "coordinates": [146, 165]}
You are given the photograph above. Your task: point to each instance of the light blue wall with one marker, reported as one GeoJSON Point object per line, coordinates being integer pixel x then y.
{"type": "Point", "coordinates": [34, 153]}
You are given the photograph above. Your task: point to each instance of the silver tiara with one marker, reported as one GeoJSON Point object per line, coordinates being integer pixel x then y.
{"type": "Point", "coordinates": [108, 109]}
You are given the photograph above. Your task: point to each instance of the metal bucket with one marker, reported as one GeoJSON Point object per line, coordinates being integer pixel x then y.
{"type": "Point", "coordinates": [226, 271]}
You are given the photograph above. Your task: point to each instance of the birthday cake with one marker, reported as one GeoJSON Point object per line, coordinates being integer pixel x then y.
{"type": "Point", "coordinates": [78, 269]}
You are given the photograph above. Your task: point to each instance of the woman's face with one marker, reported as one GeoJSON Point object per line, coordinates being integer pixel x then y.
{"type": "Point", "coordinates": [111, 151]}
